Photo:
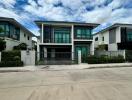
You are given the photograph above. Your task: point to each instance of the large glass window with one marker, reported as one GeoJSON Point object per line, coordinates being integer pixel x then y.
{"type": "Point", "coordinates": [129, 34]}
{"type": "Point", "coordinates": [9, 30]}
{"type": "Point", "coordinates": [62, 35]}
{"type": "Point", "coordinates": [2, 28]}
{"type": "Point", "coordinates": [82, 32]}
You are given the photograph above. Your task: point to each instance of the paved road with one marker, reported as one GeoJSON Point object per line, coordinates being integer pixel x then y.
{"type": "Point", "coordinates": [90, 84]}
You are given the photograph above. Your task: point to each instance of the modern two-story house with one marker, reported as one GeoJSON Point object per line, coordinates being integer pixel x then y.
{"type": "Point", "coordinates": [63, 40]}
{"type": "Point", "coordinates": [115, 37]}
{"type": "Point", "coordinates": [14, 33]}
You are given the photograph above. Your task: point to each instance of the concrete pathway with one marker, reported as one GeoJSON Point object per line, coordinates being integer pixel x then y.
{"type": "Point", "coordinates": [84, 66]}
{"type": "Point", "coordinates": [63, 67]}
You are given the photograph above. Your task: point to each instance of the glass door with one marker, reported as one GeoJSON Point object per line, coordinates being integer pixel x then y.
{"type": "Point", "coordinates": [84, 50]}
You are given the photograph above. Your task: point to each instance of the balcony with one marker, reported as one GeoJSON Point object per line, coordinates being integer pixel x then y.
{"type": "Point", "coordinates": [57, 40]}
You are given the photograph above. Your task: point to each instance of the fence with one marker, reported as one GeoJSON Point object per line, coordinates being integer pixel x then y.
{"type": "Point", "coordinates": [129, 55]}
{"type": "Point", "coordinates": [111, 53]}
{"type": "Point", "coordinates": [56, 58]}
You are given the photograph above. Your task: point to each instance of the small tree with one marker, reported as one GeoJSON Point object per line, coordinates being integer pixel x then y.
{"type": "Point", "coordinates": [22, 46]}
{"type": "Point", "coordinates": [2, 44]}
{"type": "Point", "coordinates": [102, 47]}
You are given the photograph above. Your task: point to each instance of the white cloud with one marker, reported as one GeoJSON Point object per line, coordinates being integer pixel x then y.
{"type": "Point", "coordinates": [8, 3]}
{"type": "Point", "coordinates": [95, 11]}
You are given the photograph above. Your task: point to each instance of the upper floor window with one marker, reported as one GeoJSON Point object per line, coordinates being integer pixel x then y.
{"type": "Point", "coordinates": [82, 32]}
{"type": "Point", "coordinates": [96, 39]}
{"type": "Point", "coordinates": [9, 30]}
{"type": "Point", "coordinates": [103, 38]}
{"type": "Point", "coordinates": [112, 35]}
{"type": "Point", "coordinates": [62, 35]}
{"type": "Point", "coordinates": [24, 35]}
{"type": "Point", "coordinates": [28, 37]}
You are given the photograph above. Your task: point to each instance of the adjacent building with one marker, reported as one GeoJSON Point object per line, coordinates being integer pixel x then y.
{"type": "Point", "coordinates": [63, 40]}
{"type": "Point", "coordinates": [115, 37]}
{"type": "Point", "coordinates": [14, 33]}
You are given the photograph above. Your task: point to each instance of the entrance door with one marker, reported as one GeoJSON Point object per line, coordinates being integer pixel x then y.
{"type": "Point", "coordinates": [84, 50]}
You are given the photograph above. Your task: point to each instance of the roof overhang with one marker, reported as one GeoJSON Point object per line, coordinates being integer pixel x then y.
{"type": "Point", "coordinates": [114, 26]}
{"type": "Point", "coordinates": [65, 23]}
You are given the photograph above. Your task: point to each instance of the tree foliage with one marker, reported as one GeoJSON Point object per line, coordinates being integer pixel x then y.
{"type": "Point", "coordinates": [2, 44]}
{"type": "Point", "coordinates": [22, 46]}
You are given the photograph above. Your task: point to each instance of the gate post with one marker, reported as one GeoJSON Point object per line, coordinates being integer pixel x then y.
{"type": "Point", "coordinates": [79, 57]}
{"type": "Point", "coordinates": [124, 54]}
{"type": "Point", "coordinates": [38, 52]}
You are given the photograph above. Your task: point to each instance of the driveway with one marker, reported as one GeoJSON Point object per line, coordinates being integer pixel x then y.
{"type": "Point", "coordinates": [88, 84]}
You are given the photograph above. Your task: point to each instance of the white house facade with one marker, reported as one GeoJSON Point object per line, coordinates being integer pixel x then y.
{"type": "Point", "coordinates": [65, 38]}
{"type": "Point", "coordinates": [115, 37]}
{"type": "Point", "coordinates": [14, 33]}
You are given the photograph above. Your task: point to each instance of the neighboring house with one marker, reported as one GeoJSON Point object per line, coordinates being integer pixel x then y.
{"type": "Point", "coordinates": [14, 33]}
{"type": "Point", "coordinates": [115, 37]}
{"type": "Point", "coordinates": [65, 38]}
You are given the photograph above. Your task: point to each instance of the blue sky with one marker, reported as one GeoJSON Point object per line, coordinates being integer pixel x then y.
{"type": "Point", "coordinates": [104, 12]}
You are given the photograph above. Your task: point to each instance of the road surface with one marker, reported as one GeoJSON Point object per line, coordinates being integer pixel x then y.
{"type": "Point", "coordinates": [89, 84]}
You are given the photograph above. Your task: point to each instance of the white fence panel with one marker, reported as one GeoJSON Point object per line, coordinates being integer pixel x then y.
{"type": "Point", "coordinates": [110, 53]}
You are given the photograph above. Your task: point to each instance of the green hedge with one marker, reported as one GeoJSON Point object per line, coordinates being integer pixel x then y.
{"type": "Point", "coordinates": [11, 63]}
{"type": "Point", "coordinates": [11, 59]}
{"type": "Point", "coordinates": [104, 59]}
{"type": "Point", "coordinates": [11, 55]}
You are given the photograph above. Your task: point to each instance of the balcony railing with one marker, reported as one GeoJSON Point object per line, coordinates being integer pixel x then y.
{"type": "Point", "coordinates": [57, 40]}
{"type": "Point", "coordinates": [83, 37]}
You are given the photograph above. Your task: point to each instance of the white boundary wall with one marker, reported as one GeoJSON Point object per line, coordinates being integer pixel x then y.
{"type": "Point", "coordinates": [28, 57]}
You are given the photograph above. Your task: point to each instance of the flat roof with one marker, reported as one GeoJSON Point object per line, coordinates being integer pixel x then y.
{"type": "Point", "coordinates": [13, 21]}
{"type": "Point", "coordinates": [66, 22]}
{"type": "Point", "coordinates": [112, 26]}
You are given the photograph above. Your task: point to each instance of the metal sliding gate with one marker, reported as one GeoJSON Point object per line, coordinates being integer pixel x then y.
{"type": "Point", "coordinates": [56, 58]}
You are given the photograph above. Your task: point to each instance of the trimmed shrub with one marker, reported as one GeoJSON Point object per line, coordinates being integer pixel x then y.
{"type": "Point", "coordinates": [2, 44]}
{"type": "Point", "coordinates": [11, 63]}
{"type": "Point", "coordinates": [10, 55]}
{"type": "Point", "coordinates": [11, 59]}
{"type": "Point", "coordinates": [105, 59]}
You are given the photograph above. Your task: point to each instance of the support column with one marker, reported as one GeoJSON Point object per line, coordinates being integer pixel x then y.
{"type": "Point", "coordinates": [38, 52]}
{"type": "Point", "coordinates": [79, 57]}
{"type": "Point", "coordinates": [45, 52]}
{"type": "Point", "coordinates": [92, 48]}
{"type": "Point", "coordinates": [72, 41]}
{"type": "Point", "coordinates": [52, 53]}
{"type": "Point", "coordinates": [42, 33]}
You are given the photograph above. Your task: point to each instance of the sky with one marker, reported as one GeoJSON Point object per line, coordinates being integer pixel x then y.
{"type": "Point", "coordinates": [104, 12]}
